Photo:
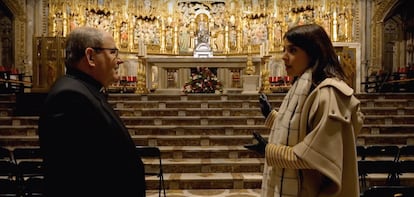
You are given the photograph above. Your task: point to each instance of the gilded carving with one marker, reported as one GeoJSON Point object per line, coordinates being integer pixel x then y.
{"type": "Point", "coordinates": [229, 26]}
{"type": "Point", "coordinates": [18, 10]}
{"type": "Point", "coordinates": [380, 9]}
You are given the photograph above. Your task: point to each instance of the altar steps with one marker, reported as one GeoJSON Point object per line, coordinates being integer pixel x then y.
{"type": "Point", "coordinates": [201, 137]}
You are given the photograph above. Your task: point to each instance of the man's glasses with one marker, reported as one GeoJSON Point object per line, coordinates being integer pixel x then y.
{"type": "Point", "coordinates": [112, 50]}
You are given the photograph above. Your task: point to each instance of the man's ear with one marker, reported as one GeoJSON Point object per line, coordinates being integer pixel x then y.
{"type": "Point", "coordinates": [89, 52]}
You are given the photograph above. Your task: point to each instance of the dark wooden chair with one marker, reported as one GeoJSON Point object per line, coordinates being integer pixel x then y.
{"type": "Point", "coordinates": [389, 191]}
{"type": "Point", "coordinates": [155, 153]}
{"type": "Point", "coordinates": [406, 153]}
{"type": "Point", "coordinates": [381, 152]}
{"type": "Point", "coordinates": [30, 172]}
{"type": "Point", "coordinates": [379, 159]}
{"type": "Point", "coordinates": [8, 179]}
{"type": "Point", "coordinates": [360, 150]}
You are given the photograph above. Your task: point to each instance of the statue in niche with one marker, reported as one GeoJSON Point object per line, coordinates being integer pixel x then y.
{"type": "Point", "coordinates": [124, 34]}
{"type": "Point", "coordinates": [342, 30]}
{"type": "Point", "coordinates": [233, 37]}
{"type": "Point", "coordinates": [292, 19]}
{"type": "Point", "coordinates": [202, 33]}
{"type": "Point", "coordinates": [58, 20]}
{"type": "Point", "coordinates": [74, 22]}
{"type": "Point", "coordinates": [219, 41]}
{"type": "Point", "coordinates": [278, 35]}
{"type": "Point", "coordinates": [147, 7]}
{"type": "Point", "coordinates": [202, 44]}
{"type": "Point", "coordinates": [184, 38]}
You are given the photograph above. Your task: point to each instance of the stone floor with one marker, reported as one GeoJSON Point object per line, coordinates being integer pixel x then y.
{"type": "Point", "coordinates": [208, 193]}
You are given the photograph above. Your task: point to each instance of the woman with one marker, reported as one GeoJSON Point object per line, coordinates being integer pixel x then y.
{"type": "Point", "coordinates": [311, 149]}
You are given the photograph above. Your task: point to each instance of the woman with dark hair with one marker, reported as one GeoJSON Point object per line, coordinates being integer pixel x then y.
{"type": "Point", "coordinates": [311, 149]}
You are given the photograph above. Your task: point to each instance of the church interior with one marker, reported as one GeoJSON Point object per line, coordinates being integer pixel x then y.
{"type": "Point", "coordinates": [191, 76]}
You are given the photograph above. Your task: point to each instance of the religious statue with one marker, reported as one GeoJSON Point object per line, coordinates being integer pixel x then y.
{"type": "Point", "coordinates": [202, 34]}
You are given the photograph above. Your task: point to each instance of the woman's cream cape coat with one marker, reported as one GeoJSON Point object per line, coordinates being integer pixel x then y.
{"type": "Point", "coordinates": [333, 121]}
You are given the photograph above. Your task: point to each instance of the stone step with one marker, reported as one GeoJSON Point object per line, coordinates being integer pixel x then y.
{"type": "Point", "coordinates": [28, 130]}
{"type": "Point", "coordinates": [190, 104]}
{"type": "Point", "coordinates": [368, 129]}
{"type": "Point", "coordinates": [372, 120]}
{"type": "Point", "coordinates": [230, 96]}
{"type": "Point", "coordinates": [193, 120]}
{"type": "Point", "coordinates": [206, 165]}
{"type": "Point", "coordinates": [226, 104]}
{"type": "Point", "coordinates": [386, 102]}
{"type": "Point", "coordinates": [394, 139]}
{"type": "Point", "coordinates": [223, 180]}
{"type": "Point", "coordinates": [188, 112]}
{"type": "Point", "coordinates": [184, 181]}
{"type": "Point", "coordinates": [242, 112]}
{"type": "Point", "coordinates": [192, 140]}
{"type": "Point", "coordinates": [19, 120]}
{"type": "Point", "coordinates": [205, 140]}
{"type": "Point", "coordinates": [207, 193]}
{"type": "Point", "coordinates": [386, 95]}
{"type": "Point", "coordinates": [6, 111]}
{"type": "Point", "coordinates": [246, 120]}
{"type": "Point", "coordinates": [387, 129]}
{"type": "Point", "coordinates": [207, 152]}
{"type": "Point", "coordinates": [185, 97]}
{"type": "Point", "coordinates": [407, 110]}
{"type": "Point", "coordinates": [388, 119]}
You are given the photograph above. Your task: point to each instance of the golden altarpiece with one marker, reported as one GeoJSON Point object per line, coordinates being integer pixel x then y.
{"type": "Point", "coordinates": [161, 41]}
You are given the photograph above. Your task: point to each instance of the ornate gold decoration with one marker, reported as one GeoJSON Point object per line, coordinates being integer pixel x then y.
{"type": "Point", "coordinates": [172, 25]}
{"type": "Point", "coordinates": [265, 74]}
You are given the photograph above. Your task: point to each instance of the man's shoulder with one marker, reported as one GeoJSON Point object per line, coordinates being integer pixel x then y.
{"type": "Point", "coordinates": [66, 83]}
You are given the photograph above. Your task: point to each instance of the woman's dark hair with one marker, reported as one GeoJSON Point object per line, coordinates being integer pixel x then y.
{"type": "Point", "coordinates": [313, 39]}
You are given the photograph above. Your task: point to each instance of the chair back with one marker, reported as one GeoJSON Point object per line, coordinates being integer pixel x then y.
{"type": "Point", "coordinates": [8, 175]}
{"type": "Point", "coordinates": [406, 153]}
{"type": "Point", "coordinates": [406, 166]}
{"type": "Point", "coordinates": [30, 169]}
{"type": "Point", "coordinates": [381, 152]}
{"type": "Point", "coordinates": [152, 152]}
{"type": "Point", "coordinates": [360, 150]}
{"type": "Point", "coordinates": [29, 161]}
{"type": "Point", "coordinates": [26, 153]}
{"type": "Point", "coordinates": [389, 191]}
{"type": "Point", "coordinates": [5, 154]}
{"type": "Point", "coordinates": [379, 159]}
{"type": "Point", "coordinates": [148, 151]}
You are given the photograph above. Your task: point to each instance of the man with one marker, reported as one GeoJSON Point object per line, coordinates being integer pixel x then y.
{"type": "Point", "coordinates": [87, 149]}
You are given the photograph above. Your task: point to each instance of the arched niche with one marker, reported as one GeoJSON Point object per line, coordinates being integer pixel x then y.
{"type": "Point", "coordinates": [17, 38]}
{"type": "Point", "coordinates": [392, 31]}
{"type": "Point", "coordinates": [6, 37]}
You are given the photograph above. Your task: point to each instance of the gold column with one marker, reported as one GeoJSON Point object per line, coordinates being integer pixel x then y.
{"type": "Point", "coordinates": [226, 40]}
{"type": "Point", "coordinates": [265, 74]}
{"type": "Point", "coordinates": [239, 39]}
{"type": "Point", "coordinates": [271, 36]}
{"type": "Point", "coordinates": [249, 66]}
{"type": "Point", "coordinates": [192, 35]}
{"type": "Point", "coordinates": [163, 33]}
{"type": "Point", "coordinates": [141, 77]}
{"type": "Point", "coordinates": [175, 48]}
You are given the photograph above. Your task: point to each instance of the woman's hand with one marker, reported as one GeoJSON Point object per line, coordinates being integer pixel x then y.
{"type": "Point", "coordinates": [265, 106]}
{"type": "Point", "coordinates": [260, 147]}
